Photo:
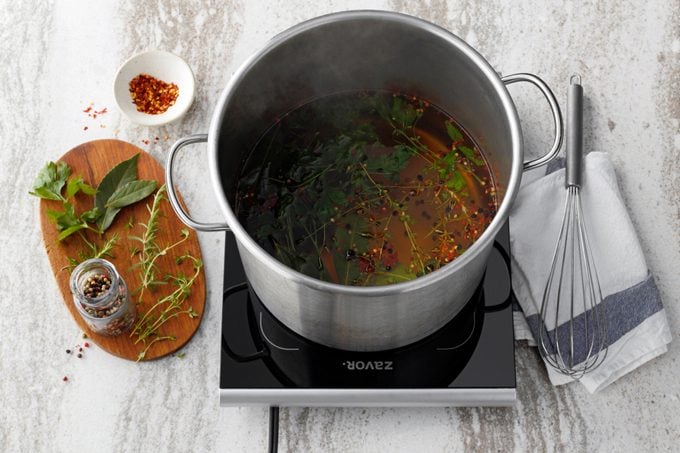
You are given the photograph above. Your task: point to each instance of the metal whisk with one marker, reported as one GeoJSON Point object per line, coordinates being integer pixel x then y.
{"type": "Point", "coordinates": [573, 336]}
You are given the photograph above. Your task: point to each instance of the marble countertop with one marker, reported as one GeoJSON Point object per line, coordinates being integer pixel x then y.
{"type": "Point", "coordinates": [60, 56]}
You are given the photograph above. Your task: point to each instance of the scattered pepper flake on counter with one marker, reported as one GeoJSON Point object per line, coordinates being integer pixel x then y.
{"type": "Point", "coordinates": [93, 113]}
{"type": "Point", "coordinates": [151, 95]}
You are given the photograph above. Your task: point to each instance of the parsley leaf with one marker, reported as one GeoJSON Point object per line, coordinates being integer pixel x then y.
{"type": "Point", "coordinates": [67, 221]}
{"type": "Point", "coordinates": [456, 182]}
{"type": "Point", "coordinates": [50, 181]}
{"type": "Point", "coordinates": [404, 113]}
{"type": "Point", "coordinates": [453, 132]}
{"type": "Point", "coordinates": [471, 155]}
{"type": "Point", "coordinates": [393, 163]}
{"type": "Point", "coordinates": [76, 185]}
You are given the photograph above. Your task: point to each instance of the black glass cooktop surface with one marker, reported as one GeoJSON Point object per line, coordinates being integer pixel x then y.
{"type": "Point", "coordinates": [469, 361]}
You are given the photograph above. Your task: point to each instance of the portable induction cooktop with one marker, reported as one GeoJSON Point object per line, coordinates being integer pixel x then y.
{"type": "Point", "coordinates": [468, 362]}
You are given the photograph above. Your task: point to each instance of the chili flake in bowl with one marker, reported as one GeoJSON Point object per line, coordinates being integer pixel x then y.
{"type": "Point", "coordinates": [151, 95]}
{"type": "Point", "coordinates": [154, 88]}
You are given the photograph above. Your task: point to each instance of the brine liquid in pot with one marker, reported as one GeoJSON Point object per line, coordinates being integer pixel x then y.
{"type": "Point", "coordinates": [365, 188]}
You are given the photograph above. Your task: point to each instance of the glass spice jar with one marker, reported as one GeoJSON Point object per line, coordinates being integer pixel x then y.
{"type": "Point", "coordinates": [101, 297]}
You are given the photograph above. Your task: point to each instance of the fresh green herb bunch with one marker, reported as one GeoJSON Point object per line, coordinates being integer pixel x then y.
{"type": "Point", "coordinates": [119, 188]}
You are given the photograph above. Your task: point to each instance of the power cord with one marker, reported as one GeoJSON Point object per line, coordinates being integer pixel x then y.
{"type": "Point", "coordinates": [273, 429]}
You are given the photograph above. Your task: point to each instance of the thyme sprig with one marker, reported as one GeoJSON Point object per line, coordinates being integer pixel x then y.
{"type": "Point", "coordinates": [151, 251]}
{"type": "Point", "coordinates": [167, 308]}
{"type": "Point", "coordinates": [142, 354]}
{"type": "Point", "coordinates": [93, 251]}
{"type": "Point", "coordinates": [172, 305]}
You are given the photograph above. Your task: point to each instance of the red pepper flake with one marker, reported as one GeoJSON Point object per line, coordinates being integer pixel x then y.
{"type": "Point", "coordinates": [85, 128]}
{"type": "Point", "coordinates": [366, 265]}
{"type": "Point", "coordinates": [146, 142]}
{"type": "Point", "coordinates": [93, 113]}
{"type": "Point", "coordinates": [86, 344]}
{"type": "Point", "coordinates": [65, 378]}
{"type": "Point", "coordinates": [151, 95]}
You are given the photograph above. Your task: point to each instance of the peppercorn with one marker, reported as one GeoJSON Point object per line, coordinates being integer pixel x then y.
{"type": "Point", "coordinates": [96, 286]}
{"type": "Point", "coordinates": [68, 351]}
{"type": "Point", "coordinates": [64, 379]}
{"type": "Point", "coordinates": [80, 356]}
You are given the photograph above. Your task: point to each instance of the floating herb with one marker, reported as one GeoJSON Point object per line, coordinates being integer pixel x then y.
{"type": "Point", "coordinates": [471, 155]}
{"type": "Point", "coordinates": [454, 133]}
{"type": "Point", "coordinates": [365, 189]}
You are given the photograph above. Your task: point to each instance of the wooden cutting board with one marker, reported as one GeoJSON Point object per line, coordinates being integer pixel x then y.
{"type": "Point", "coordinates": [92, 161]}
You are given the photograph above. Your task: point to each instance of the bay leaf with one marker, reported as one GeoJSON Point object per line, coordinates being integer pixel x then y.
{"type": "Point", "coordinates": [119, 176]}
{"type": "Point", "coordinates": [130, 193]}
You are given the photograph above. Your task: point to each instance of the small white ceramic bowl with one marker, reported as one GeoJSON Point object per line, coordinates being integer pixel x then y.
{"type": "Point", "coordinates": [164, 66]}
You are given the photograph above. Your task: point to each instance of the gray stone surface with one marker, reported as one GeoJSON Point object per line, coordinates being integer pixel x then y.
{"type": "Point", "coordinates": [60, 56]}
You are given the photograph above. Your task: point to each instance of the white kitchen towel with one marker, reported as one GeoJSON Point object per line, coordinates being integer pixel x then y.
{"type": "Point", "coordinates": [637, 326]}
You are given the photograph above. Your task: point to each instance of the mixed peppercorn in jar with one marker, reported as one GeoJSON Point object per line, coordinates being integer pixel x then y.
{"type": "Point", "coordinates": [101, 297]}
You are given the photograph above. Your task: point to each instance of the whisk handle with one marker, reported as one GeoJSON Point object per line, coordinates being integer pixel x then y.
{"type": "Point", "coordinates": [574, 132]}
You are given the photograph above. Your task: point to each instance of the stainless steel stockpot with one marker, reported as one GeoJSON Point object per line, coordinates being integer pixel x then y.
{"type": "Point", "coordinates": [364, 50]}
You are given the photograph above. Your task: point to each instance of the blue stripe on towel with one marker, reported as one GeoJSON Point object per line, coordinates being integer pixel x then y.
{"type": "Point", "coordinates": [625, 310]}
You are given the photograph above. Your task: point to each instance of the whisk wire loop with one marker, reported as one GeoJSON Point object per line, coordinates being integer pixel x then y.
{"type": "Point", "coordinates": [575, 341]}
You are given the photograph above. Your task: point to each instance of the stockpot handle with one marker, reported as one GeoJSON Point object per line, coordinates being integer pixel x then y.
{"type": "Point", "coordinates": [554, 107]}
{"type": "Point", "coordinates": [172, 194]}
